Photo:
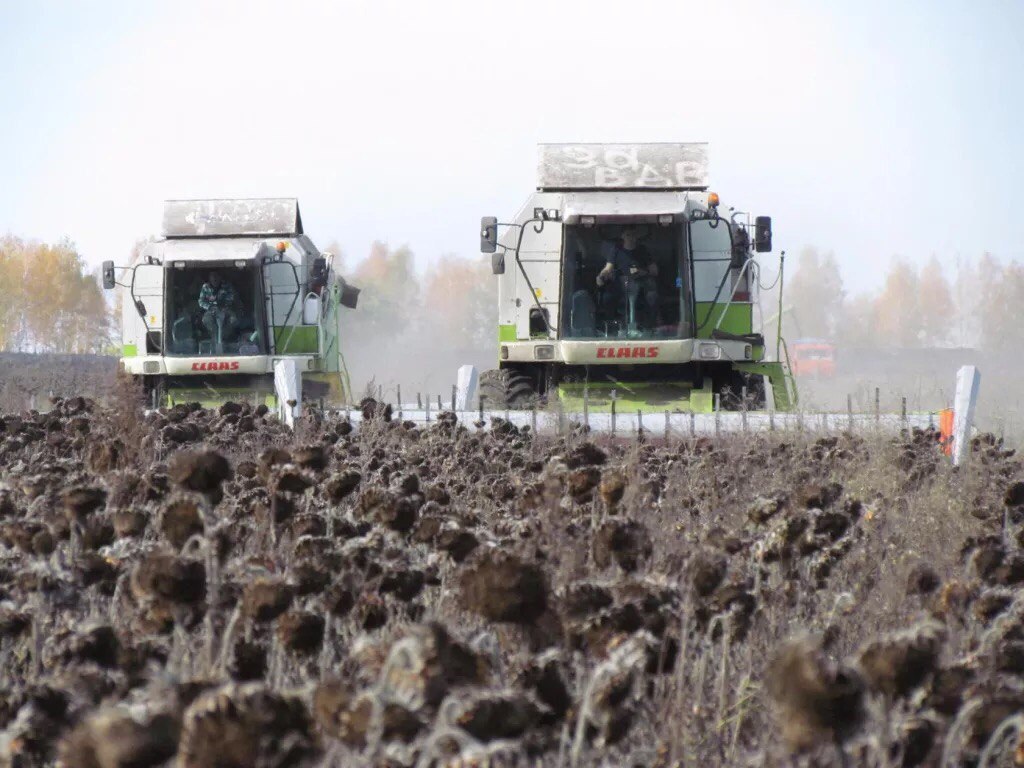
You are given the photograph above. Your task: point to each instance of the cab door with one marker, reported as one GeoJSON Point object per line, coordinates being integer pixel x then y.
{"type": "Point", "coordinates": [143, 312]}
{"type": "Point", "coordinates": [541, 259]}
{"type": "Point", "coordinates": [713, 279]}
{"type": "Point", "coordinates": [281, 290]}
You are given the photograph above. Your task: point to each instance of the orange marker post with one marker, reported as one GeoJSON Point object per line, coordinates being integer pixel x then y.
{"type": "Point", "coordinates": [946, 430]}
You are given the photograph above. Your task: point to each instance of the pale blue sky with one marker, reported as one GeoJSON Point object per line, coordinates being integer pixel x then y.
{"type": "Point", "coordinates": [870, 129]}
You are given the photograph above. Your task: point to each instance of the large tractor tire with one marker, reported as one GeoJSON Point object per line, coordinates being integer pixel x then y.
{"type": "Point", "coordinates": [154, 391]}
{"type": "Point", "coordinates": [505, 388]}
{"type": "Point", "coordinates": [732, 393]}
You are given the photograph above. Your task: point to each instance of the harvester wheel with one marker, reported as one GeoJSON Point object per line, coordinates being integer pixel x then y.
{"type": "Point", "coordinates": [504, 388]}
{"type": "Point", "coordinates": [732, 393]}
{"type": "Point", "coordinates": [154, 390]}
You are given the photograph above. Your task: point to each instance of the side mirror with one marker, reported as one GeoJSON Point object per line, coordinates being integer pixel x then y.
{"type": "Point", "coordinates": [108, 275]}
{"type": "Point", "coordinates": [319, 265]}
{"type": "Point", "coordinates": [488, 235]}
{"type": "Point", "coordinates": [498, 263]}
{"type": "Point", "coordinates": [763, 234]}
{"type": "Point", "coordinates": [349, 295]}
{"type": "Point", "coordinates": [140, 308]}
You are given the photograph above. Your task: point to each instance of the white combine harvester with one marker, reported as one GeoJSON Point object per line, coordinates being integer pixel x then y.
{"type": "Point", "coordinates": [622, 278]}
{"type": "Point", "coordinates": [233, 293]}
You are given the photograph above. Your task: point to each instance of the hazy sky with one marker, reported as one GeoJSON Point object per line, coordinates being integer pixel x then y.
{"type": "Point", "coordinates": [868, 128]}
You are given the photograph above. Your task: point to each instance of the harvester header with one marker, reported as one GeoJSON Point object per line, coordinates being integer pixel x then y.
{"type": "Point", "coordinates": [263, 217]}
{"type": "Point", "coordinates": [663, 166]}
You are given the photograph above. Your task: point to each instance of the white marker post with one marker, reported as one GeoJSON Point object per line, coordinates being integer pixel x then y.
{"type": "Point", "coordinates": [288, 387]}
{"type": "Point", "coordinates": [968, 380]}
{"type": "Point", "coordinates": [465, 393]}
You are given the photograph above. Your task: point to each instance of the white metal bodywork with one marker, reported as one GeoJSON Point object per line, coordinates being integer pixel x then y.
{"type": "Point", "coordinates": [654, 352]}
{"type": "Point", "coordinates": [285, 307]}
{"type": "Point", "coordinates": [204, 365]}
{"type": "Point", "coordinates": [541, 258]}
{"type": "Point", "coordinates": [148, 288]}
{"type": "Point", "coordinates": [291, 306]}
{"type": "Point", "coordinates": [163, 254]}
{"type": "Point", "coordinates": [669, 424]}
{"type": "Point", "coordinates": [574, 205]}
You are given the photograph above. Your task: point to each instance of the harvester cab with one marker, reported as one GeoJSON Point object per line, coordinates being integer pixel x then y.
{"type": "Point", "coordinates": [621, 279]}
{"type": "Point", "coordinates": [231, 288]}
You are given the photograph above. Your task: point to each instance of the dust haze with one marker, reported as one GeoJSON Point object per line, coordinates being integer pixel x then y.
{"type": "Point", "coordinates": [417, 322]}
{"type": "Point", "coordinates": [906, 338]}
{"type": "Point", "coordinates": [413, 329]}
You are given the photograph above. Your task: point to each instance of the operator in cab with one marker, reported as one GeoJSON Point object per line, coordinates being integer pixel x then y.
{"type": "Point", "coordinates": [632, 271]}
{"type": "Point", "coordinates": [218, 299]}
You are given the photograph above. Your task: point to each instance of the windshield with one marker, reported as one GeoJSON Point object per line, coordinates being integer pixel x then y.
{"type": "Point", "coordinates": [623, 281]}
{"type": "Point", "coordinates": [214, 310]}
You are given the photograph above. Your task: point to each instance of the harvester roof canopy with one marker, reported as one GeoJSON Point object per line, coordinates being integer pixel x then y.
{"type": "Point", "coordinates": [193, 250]}
{"type": "Point", "coordinates": [639, 207]}
{"type": "Point", "coordinates": [664, 166]}
{"type": "Point", "coordinates": [232, 218]}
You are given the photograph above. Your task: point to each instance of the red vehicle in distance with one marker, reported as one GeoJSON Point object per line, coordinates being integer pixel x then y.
{"type": "Point", "coordinates": [813, 358]}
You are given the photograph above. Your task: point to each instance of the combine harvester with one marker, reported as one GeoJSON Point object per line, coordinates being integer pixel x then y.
{"type": "Point", "coordinates": [234, 302]}
{"type": "Point", "coordinates": [621, 279]}
{"type": "Point", "coordinates": [626, 302]}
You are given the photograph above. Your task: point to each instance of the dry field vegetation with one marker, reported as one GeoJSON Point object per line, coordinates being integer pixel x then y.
{"type": "Point", "coordinates": [207, 588]}
{"type": "Point", "coordinates": [26, 380]}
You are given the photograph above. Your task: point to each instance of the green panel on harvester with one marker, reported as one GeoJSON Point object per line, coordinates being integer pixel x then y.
{"type": "Point", "coordinates": [211, 398]}
{"type": "Point", "coordinates": [649, 397]}
{"type": "Point", "coordinates": [739, 318]}
{"type": "Point", "coordinates": [783, 383]}
{"type": "Point", "coordinates": [129, 350]}
{"type": "Point", "coordinates": [297, 340]}
{"type": "Point", "coordinates": [507, 332]}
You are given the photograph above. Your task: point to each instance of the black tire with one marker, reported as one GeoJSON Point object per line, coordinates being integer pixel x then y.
{"type": "Point", "coordinates": [154, 391]}
{"type": "Point", "coordinates": [732, 392]}
{"type": "Point", "coordinates": [505, 388]}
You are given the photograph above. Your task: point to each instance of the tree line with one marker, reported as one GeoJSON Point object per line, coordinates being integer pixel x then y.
{"type": "Point", "coordinates": [417, 327]}
{"type": "Point", "coordinates": [409, 326]}
{"type": "Point", "coordinates": [50, 301]}
{"type": "Point", "coordinates": [915, 306]}
{"type": "Point", "coordinates": [414, 330]}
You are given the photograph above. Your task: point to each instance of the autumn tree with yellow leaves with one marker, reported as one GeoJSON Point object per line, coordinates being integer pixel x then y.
{"type": "Point", "coordinates": [415, 329]}
{"type": "Point", "coordinates": [49, 300]}
{"type": "Point", "coordinates": [915, 307]}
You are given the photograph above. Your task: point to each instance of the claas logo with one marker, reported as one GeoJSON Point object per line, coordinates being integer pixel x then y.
{"type": "Point", "coordinates": [606, 353]}
{"type": "Point", "coordinates": [215, 365]}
